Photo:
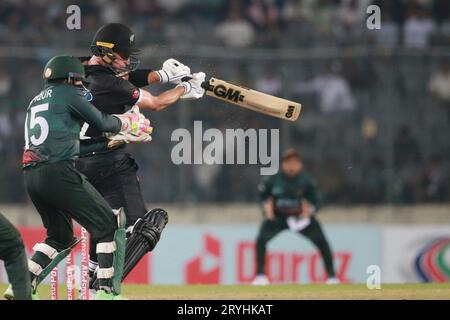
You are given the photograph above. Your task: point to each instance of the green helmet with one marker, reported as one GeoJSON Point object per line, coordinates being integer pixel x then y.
{"type": "Point", "coordinates": [64, 67]}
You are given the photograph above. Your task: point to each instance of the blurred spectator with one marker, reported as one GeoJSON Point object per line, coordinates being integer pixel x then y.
{"type": "Point", "coordinates": [441, 11]}
{"type": "Point", "coordinates": [270, 82]}
{"type": "Point", "coordinates": [172, 6]}
{"type": "Point", "coordinates": [264, 14]}
{"type": "Point", "coordinates": [394, 8]}
{"type": "Point", "coordinates": [5, 132]}
{"type": "Point", "coordinates": [389, 34]}
{"type": "Point", "coordinates": [435, 181]}
{"type": "Point", "coordinates": [335, 95]}
{"type": "Point", "coordinates": [373, 188]}
{"type": "Point", "coordinates": [367, 89]}
{"type": "Point", "coordinates": [349, 18]}
{"type": "Point", "coordinates": [147, 10]}
{"type": "Point", "coordinates": [235, 31]}
{"type": "Point", "coordinates": [406, 165]}
{"type": "Point", "coordinates": [206, 11]}
{"type": "Point", "coordinates": [418, 29]}
{"type": "Point", "coordinates": [112, 10]}
{"type": "Point", "coordinates": [38, 22]}
{"type": "Point", "coordinates": [205, 177]}
{"type": "Point", "coordinates": [406, 189]}
{"type": "Point", "coordinates": [324, 13]}
{"type": "Point", "coordinates": [406, 148]}
{"type": "Point", "coordinates": [439, 86]}
{"type": "Point", "coordinates": [298, 11]}
{"type": "Point", "coordinates": [334, 182]}
{"type": "Point", "coordinates": [5, 84]}
{"type": "Point", "coordinates": [55, 11]}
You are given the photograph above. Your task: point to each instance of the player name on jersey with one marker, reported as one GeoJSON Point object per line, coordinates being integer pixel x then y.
{"type": "Point", "coordinates": [44, 94]}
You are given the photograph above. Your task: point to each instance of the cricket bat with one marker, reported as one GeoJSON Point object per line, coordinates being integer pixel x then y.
{"type": "Point", "coordinates": [252, 99]}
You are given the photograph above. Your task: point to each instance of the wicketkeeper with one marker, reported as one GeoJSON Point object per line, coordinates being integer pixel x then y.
{"type": "Point", "coordinates": [60, 192]}
{"type": "Point", "coordinates": [290, 201]}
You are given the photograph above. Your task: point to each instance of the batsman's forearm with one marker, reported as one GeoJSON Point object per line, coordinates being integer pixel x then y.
{"type": "Point", "coordinates": [165, 99]}
{"type": "Point", "coordinates": [153, 77]}
{"type": "Point", "coordinates": [171, 96]}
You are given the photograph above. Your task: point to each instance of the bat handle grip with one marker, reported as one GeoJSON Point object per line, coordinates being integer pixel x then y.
{"type": "Point", "coordinates": [205, 84]}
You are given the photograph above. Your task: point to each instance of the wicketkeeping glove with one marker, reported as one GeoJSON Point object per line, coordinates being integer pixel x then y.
{"type": "Point", "coordinates": [124, 138]}
{"type": "Point", "coordinates": [173, 71]}
{"type": "Point", "coordinates": [133, 122]}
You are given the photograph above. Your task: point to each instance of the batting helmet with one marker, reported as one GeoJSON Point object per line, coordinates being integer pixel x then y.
{"type": "Point", "coordinates": [115, 37]}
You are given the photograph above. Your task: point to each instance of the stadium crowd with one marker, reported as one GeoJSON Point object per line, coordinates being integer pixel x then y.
{"type": "Point", "coordinates": [238, 23]}
{"type": "Point", "coordinates": [402, 168]}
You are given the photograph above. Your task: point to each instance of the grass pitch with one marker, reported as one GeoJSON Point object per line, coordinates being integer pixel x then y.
{"type": "Point", "coordinates": [288, 292]}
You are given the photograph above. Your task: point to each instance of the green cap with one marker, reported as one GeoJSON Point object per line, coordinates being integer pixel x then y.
{"type": "Point", "coordinates": [63, 67]}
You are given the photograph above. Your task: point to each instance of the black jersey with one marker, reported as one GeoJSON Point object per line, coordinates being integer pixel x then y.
{"type": "Point", "coordinates": [113, 172]}
{"type": "Point", "coordinates": [110, 94]}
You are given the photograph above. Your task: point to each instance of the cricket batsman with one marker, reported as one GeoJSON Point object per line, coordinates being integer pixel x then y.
{"type": "Point", "coordinates": [57, 189]}
{"type": "Point", "coordinates": [12, 252]}
{"type": "Point", "coordinates": [115, 85]}
{"type": "Point", "coordinates": [290, 201]}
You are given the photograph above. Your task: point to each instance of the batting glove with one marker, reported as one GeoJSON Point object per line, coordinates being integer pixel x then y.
{"type": "Point", "coordinates": [193, 88]}
{"type": "Point", "coordinates": [173, 71]}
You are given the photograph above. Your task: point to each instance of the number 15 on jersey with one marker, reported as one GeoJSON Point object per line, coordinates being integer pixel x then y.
{"type": "Point", "coordinates": [37, 125]}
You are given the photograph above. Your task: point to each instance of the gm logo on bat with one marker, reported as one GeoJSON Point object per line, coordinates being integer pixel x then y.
{"type": "Point", "coordinates": [230, 94]}
{"type": "Point", "coordinates": [290, 112]}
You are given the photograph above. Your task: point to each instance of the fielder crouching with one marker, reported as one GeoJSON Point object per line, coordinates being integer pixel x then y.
{"type": "Point", "coordinates": [290, 201]}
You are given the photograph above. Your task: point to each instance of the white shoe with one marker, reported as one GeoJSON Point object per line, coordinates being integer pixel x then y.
{"type": "Point", "coordinates": [9, 294]}
{"type": "Point", "coordinates": [261, 280]}
{"type": "Point", "coordinates": [333, 280]}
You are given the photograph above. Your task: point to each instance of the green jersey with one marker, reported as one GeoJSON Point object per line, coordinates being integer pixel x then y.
{"type": "Point", "coordinates": [53, 123]}
{"type": "Point", "coordinates": [289, 192]}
